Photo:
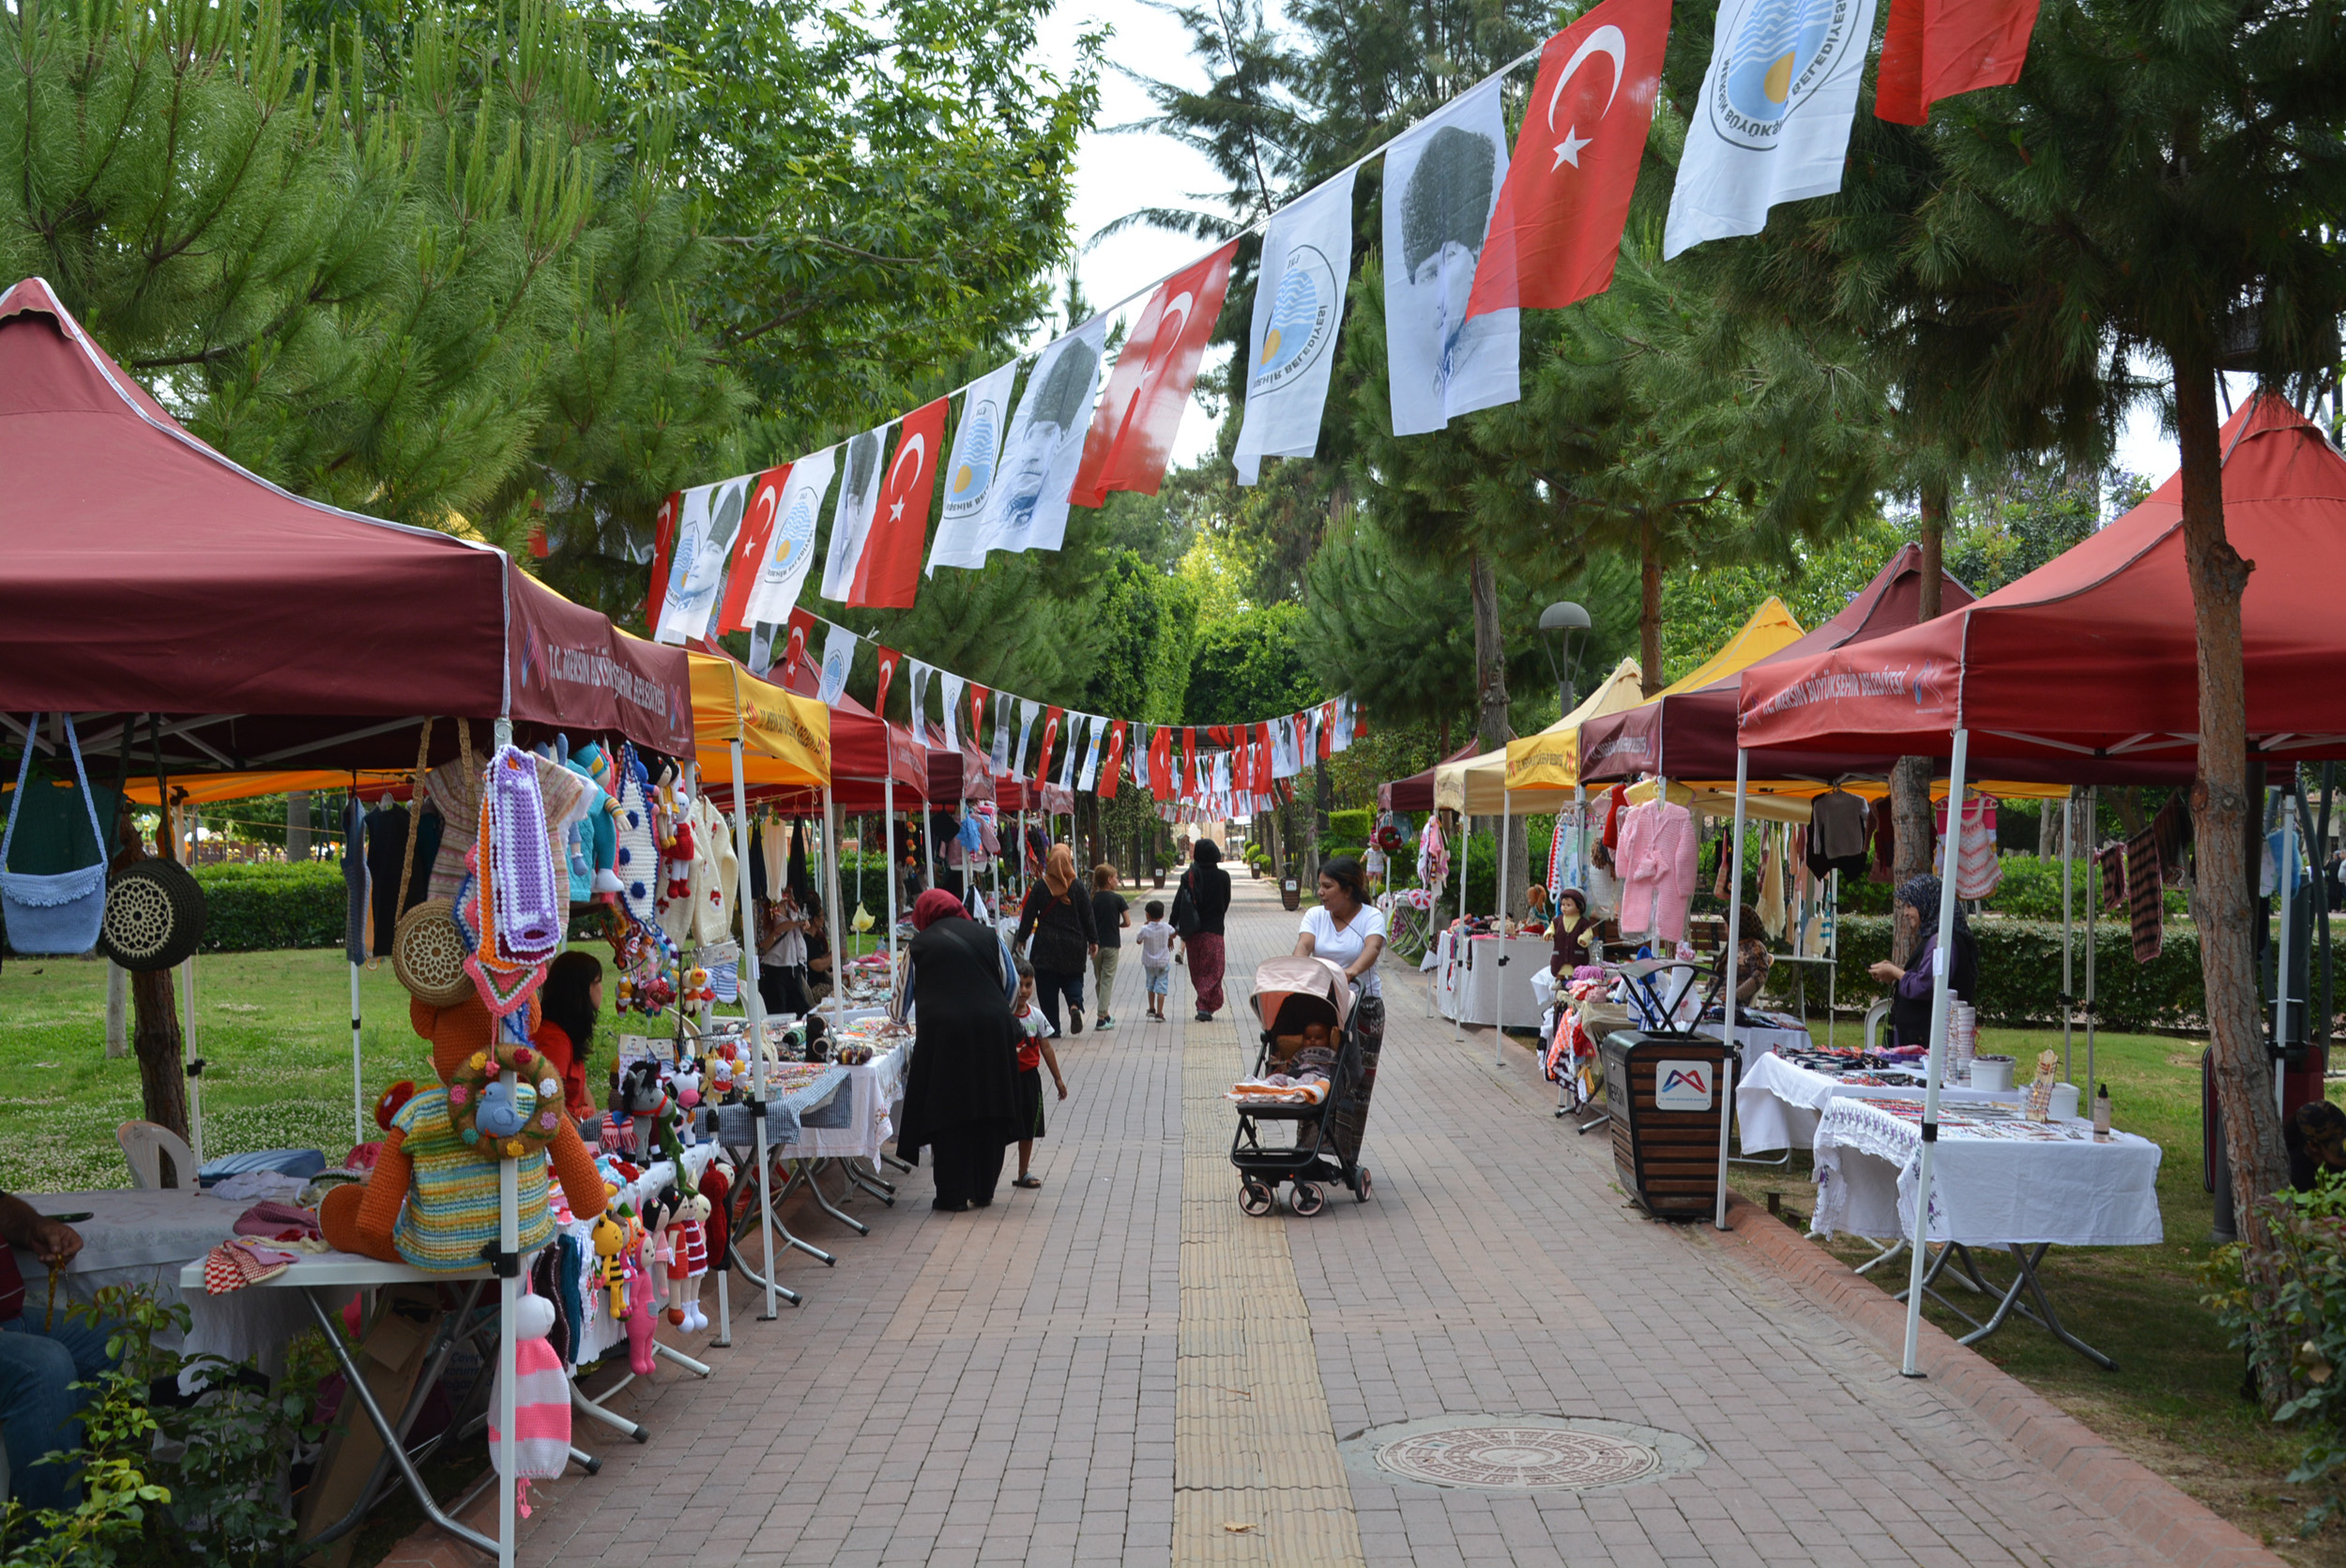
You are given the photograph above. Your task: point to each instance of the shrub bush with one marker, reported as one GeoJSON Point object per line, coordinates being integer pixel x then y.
{"type": "Point", "coordinates": [256, 908]}
{"type": "Point", "coordinates": [2293, 1329]}
{"type": "Point", "coordinates": [1351, 826]}
{"type": "Point", "coordinates": [2020, 973]}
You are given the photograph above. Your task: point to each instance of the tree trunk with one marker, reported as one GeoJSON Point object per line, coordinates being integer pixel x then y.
{"type": "Point", "coordinates": [1649, 612]}
{"type": "Point", "coordinates": [2222, 818]}
{"type": "Point", "coordinates": [2049, 830]}
{"type": "Point", "coordinates": [1490, 656]}
{"type": "Point", "coordinates": [297, 825]}
{"type": "Point", "coordinates": [1913, 821]}
{"type": "Point", "coordinates": [155, 1039]}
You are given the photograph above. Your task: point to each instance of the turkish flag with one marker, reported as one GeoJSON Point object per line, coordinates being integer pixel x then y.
{"type": "Point", "coordinates": [1161, 763]}
{"type": "Point", "coordinates": [977, 712]}
{"type": "Point", "coordinates": [749, 550]}
{"type": "Point", "coordinates": [1050, 735]}
{"type": "Point", "coordinates": [1189, 760]}
{"type": "Point", "coordinates": [889, 572]}
{"type": "Point", "coordinates": [1935, 49]}
{"type": "Point", "coordinates": [889, 658]}
{"type": "Point", "coordinates": [662, 554]}
{"type": "Point", "coordinates": [802, 628]}
{"type": "Point", "coordinates": [1131, 438]}
{"type": "Point", "coordinates": [1265, 753]}
{"type": "Point", "coordinates": [1114, 766]}
{"type": "Point", "coordinates": [1556, 231]}
{"type": "Point", "coordinates": [1327, 728]}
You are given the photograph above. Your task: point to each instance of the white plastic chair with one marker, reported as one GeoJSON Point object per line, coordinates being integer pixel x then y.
{"type": "Point", "coordinates": [143, 1143]}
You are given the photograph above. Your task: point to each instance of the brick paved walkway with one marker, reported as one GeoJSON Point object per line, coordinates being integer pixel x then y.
{"type": "Point", "coordinates": [1120, 1366]}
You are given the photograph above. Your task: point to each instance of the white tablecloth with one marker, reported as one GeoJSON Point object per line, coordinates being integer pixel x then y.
{"type": "Point", "coordinates": [143, 1237]}
{"type": "Point", "coordinates": [1777, 1104]}
{"type": "Point", "coordinates": [1471, 986]}
{"type": "Point", "coordinates": [1993, 1181]}
{"type": "Point", "coordinates": [873, 1090]}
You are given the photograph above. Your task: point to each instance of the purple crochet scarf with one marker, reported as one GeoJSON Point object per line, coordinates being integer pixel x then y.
{"type": "Point", "coordinates": [527, 911]}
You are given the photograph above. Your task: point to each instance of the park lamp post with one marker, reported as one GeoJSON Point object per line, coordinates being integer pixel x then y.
{"type": "Point", "coordinates": [1558, 622]}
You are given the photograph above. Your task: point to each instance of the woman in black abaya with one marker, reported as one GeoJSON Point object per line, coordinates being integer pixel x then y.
{"type": "Point", "coordinates": [961, 1097]}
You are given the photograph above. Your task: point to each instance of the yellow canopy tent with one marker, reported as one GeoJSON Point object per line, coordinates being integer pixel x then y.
{"type": "Point", "coordinates": [785, 738]}
{"type": "Point", "coordinates": [1478, 786]}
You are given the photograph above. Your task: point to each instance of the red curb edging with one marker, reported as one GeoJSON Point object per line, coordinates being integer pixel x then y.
{"type": "Point", "coordinates": [2166, 1521]}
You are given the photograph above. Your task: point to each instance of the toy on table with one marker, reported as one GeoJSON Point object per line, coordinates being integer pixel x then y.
{"type": "Point", "coordinates": [432, 1199]}
{"type": "Point", "coordinates": [610, 1237]}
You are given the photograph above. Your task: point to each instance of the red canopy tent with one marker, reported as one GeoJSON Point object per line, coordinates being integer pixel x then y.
{"type": "Point", "coordinates": [147, 573]}
{"type": "Point", "coordinates": [1691, 734]}
{"type": "Point", "coordinates": [2089, 664]}
{"type": "Point", "coordinates": [1416, 792]}
{"type": "Point", "coordinates": [864, 751]}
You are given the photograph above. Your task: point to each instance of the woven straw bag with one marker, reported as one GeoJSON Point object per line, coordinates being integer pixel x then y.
{"type": "Point", "coordinates": [428, 948]}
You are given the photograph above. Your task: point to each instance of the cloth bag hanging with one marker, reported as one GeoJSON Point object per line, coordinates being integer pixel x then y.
{"type": "Point", "coordinates": [59, 914]}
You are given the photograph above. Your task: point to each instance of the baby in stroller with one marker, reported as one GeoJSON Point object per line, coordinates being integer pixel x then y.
{"type": "Point", "coordinates": [1308, 1068]}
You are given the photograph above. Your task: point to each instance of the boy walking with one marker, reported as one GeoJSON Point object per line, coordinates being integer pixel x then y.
{"type": "Point", "coordinates": [1110, 916]}
{"type": "Point", "coordinates": [1155, 942]}
{"type": "Point", "coordinates": [1034, 1051]}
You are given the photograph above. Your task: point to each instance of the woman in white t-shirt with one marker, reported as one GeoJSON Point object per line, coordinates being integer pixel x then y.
{"type": "Point", "coordinates": [1347, 930]}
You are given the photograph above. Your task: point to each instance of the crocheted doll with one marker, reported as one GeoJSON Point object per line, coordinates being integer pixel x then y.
{"type": "Point", "coordinates": [542, 1401]}
{"type": "Point", "coordinates": [692, 1265]}
{"type": "Point", "coordinates": [432, 1199]}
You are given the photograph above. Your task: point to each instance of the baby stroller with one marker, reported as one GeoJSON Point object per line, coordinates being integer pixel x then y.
{"type": "Point", "coordinates": [1291, 996]}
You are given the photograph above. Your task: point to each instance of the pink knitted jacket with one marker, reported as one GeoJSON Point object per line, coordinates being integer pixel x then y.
{"type": "Point", "coordinates": [1656, 861]}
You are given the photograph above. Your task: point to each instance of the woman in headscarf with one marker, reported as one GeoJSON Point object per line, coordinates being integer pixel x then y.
{"type": "Point", "coordinates": [1058, 915]}
{"type": "Point", "coordinates": [1909, 987]}
{"type": "Point", "coordinates": [961, 1095]}
{"type": "Point", "coordinates": [567, 1002]}
{"type": "Point", "coordinates": [1209, 888]}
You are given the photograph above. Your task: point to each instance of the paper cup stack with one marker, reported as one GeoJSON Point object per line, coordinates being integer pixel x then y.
{"type": "Point", "coordinates": [1963, 1040]}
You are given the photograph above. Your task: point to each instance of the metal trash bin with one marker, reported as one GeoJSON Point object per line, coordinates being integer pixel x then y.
{"type": "Point", "coordinates": [1665, 1095]}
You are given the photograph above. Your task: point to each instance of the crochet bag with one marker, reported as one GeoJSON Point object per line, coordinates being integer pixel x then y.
{"type": "Point", "coordinates": [59, 914]}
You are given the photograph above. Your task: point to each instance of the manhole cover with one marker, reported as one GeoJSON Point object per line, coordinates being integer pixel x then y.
{"type": "Point", "coordinates": [1521, 1452]}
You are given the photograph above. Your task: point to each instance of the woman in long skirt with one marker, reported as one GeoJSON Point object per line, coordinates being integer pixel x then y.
{"type": "Point", "coordinates": [961, 1096]}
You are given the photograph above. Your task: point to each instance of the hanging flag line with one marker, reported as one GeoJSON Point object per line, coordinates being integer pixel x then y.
{"type": "Point", "coordinates": [1240, 764]}
{"type": "Point", "coordinates": [1465, 250]}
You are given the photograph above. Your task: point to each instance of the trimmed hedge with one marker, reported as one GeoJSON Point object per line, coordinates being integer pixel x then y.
{"type": "Point", "coordinates": [256, 908]}
{"type": "Point", "coordinates": [1350, 826]}
{"type": "Point", "coordinates": [2020, 973]}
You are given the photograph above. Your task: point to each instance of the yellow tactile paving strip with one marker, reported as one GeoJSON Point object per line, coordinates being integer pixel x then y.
{"type": "Point", "coordinates": [1253, 1444]}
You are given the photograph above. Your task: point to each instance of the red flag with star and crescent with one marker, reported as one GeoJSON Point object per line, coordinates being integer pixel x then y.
{"type": "Point", "coordinates": [888, 574]}
{"type": "Point", "coordinates": [801, 626]}
{"type": "Point", "coordinates": [889, 660]}
{"type": "Point", "coordinates": [1161, 781]}
{"type": "Point", "coordinates": [1113, 765]}
{"type": "Point", "coordinates": [1050, 738]}
{"type": "Point", "coordinates": [1131, 438]}
{"type": "Point", "coordinates": [662, 555]}
{"type": "Point", "coordinates": [1556, 231]}
{"type": "Point", "coordinates": [977, 711]}
{"type": "Point", "coordinates": [749, 550]}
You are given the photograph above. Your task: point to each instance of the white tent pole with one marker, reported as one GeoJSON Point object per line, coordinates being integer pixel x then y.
{"type": "Point", "coordinates": [2069, 940]}
{"type": "Point", "coordinates": [1499, 985]}
{"type": "Point", "coordinates": [887, 842]}
{"type": "Point", "coordinates": [2284, 873]}
{"type": "Point", "coordinates": [755, 1006]}
{"type": "Point", "coordinates": [357, 1067]}
{"type": "Point", "coordinates": [1941, 970]}
{"type": "Point", "coordinates": [1734, 954]}
{"type": "Point", "coordinates": [508, 1349]}
{"type": "Point", "coordinates": [2093, 938]}
{"type": "Point", "coordinates": [831, 877]}
{"type": "Point", "coordinates": [1458, 949]}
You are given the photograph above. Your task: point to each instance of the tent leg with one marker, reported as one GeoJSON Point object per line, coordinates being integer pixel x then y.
{"type": "Point", "coordinates": [1499, 989]}
{"type": "Point", "coordinates": [357, 1067]}
{"type": "Point", "coordinates": [888, 840]}
{"type": "Point", "coordinates": [1942, 968]}
{"type": "Point", "coordinates": [2092, 940]}
{"type": "Point", "coordinates": [830, 880]}
{"type": "Point", "coordinates": [2284, 873]}
{"type": "Point", "coordinates": [2068, 943]}
{"type": "Point", "coordinates": [1734, 952]}
{"type": "Point", "coordinates": [755, 1006]}
{"type": "Point", "coordinates": [195, 1073]}
{"type": "Point", "coordinates": [508, 1352]}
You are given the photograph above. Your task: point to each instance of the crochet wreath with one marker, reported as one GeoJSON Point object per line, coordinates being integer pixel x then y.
{"type": "Point", "coordinates": [497, 1110]}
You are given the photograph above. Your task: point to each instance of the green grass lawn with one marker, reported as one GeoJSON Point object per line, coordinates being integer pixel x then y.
{"type": "Point", "coordinates": [273, 1028]}
{"type": "Point", "coordinates": [2176, 1400]}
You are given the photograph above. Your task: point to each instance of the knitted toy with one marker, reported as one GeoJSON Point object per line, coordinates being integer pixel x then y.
{"type": "Point", "coordinates": [642, 1307]}
{"type": "Point", "coordinates": [541, 1402]}
{"type": "Point", "coordinates": [432, 1199]}
{"type": "Point", "coordinates": [610, 1239]}
{"type": "Point", "coordinates": [685, 1085]}
{"type": "Point", "coordinates": [716, 1190]}
{"type": "Point", "coordinates": [691, 1224]}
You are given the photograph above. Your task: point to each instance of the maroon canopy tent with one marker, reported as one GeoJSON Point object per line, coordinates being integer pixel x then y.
{"type": "Point", "coordinates": [147, 573]}
{"type": "Point", "coordinates": [2088, 666]}
{"type": "Point", "coordinates": [1691, 734]}
{"type": "Point", "coordinates": [1416, 792]}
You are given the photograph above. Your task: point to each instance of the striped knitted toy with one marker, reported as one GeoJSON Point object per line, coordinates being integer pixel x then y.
{"type": "Point", "coordinates": [541, 1402]}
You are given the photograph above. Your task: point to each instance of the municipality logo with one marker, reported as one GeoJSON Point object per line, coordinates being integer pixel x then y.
{"type": "Point", "coordinates": [974, 475]}
{"type": "Point", "coordinates": [794, 543]}
{"type": "Point", "coordinates": [1782, 54]}
{"type": "Point", "coordinates": [1303, 320]}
